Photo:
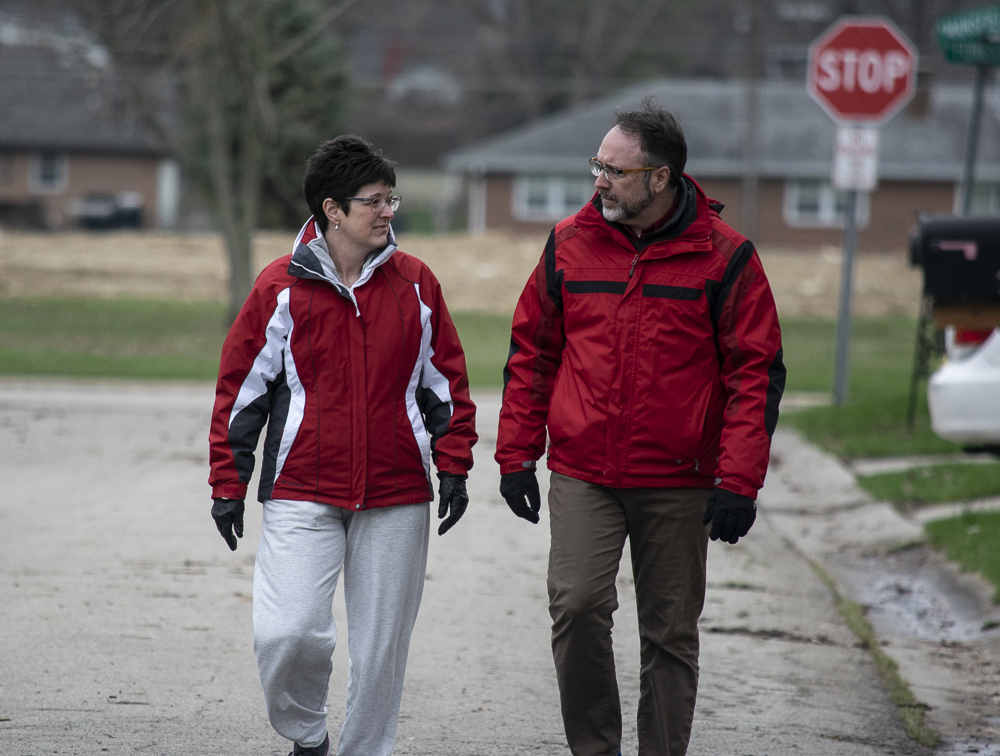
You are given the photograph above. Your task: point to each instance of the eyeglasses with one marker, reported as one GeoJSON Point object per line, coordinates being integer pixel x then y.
{"type": "Point", "coordinates": [613, 174]}
{"type": "Point", "coordinates": [377, 203]}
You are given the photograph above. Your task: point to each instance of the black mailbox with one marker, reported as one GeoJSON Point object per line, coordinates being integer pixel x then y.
{"type": "Point", "coordinates": [960, 257]}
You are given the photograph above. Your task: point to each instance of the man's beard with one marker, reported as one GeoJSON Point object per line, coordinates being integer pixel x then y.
{"type": "Point", "coordinates": [626, 210]}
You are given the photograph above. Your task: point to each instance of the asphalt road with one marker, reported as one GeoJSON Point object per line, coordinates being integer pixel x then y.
{"type": "Point", "coordinates": [125, 622]}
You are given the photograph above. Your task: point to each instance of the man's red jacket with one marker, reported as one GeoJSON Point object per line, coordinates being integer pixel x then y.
{"type": "Point", "coordinates": [360, 387]}
{"type": "Point", "coordinates": [652, 361]}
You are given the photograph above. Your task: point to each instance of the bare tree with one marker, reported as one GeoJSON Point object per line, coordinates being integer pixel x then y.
{"type": "Point", "coordinates": [228, 67]}
{"type": "Point", "coordinates": [564, 51]}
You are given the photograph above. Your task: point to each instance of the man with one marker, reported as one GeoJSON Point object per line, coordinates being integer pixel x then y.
{"type": "Point", "coordinates": [647, 345]}
{"type": "Point", "coordinates": [346, 349]}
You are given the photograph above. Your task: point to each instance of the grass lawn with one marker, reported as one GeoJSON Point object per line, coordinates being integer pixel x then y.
{"type": "Point", "coordinates": [144, 338]}
{"type": "Point", "coordinates": [935, 483]}
{"type": "Point", "coordinates": [128, 338]}
{"type": "Point", "coordinates": [971, 540]}
{"type": "Point", "coordinates": [872, 423]}
{"type": "Point", "coordinates": [486, 340]}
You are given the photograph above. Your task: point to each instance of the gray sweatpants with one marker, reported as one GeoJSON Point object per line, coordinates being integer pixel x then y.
{"type": "Point", "coordinates": [303, 545]}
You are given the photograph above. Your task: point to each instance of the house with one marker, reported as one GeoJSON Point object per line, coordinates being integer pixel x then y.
{"type": "Point", "coordinates": [779, 193]}
{"type": "Point", "coordinates": [72, 151]}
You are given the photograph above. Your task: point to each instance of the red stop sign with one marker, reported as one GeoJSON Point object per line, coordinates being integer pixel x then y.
{"type": "Point", "coordinates": [862, 69]}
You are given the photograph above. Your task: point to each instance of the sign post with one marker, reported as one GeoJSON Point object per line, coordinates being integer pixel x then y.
{"type": "Point", "coordinates": [972, 39]}
{"type": "Point", "coordinates": [862, 70]}
{"type": "Point", "coordinates": [855, 169]}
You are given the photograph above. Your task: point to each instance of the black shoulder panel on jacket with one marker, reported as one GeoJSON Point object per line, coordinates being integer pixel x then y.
{"type": "Point", "coordinates": [553, 277]}
{"type": "Point", "coordinates": [775, 388]}
{"type": "Point", "coordinates": [718, 291]}
{"type": "Point", "coordinates": [514, 349]}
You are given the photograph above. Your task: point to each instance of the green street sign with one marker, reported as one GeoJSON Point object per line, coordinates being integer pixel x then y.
{"type": "Point", "coordinates": [971, 38]}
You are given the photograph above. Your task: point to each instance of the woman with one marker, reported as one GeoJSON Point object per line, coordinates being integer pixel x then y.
{"type": "Point", "coordinates": [346, 349]}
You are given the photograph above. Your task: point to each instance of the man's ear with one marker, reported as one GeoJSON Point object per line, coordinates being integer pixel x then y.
{"type": "Point", "coordinates": [660, 179]}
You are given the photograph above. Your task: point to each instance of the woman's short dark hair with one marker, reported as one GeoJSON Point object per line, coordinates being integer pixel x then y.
{"type": "Point", "coordinates": [660, 136]}
{"type": "Point", "coordinates": [338, 169]}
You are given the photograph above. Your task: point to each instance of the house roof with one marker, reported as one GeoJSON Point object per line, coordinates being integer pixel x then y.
{"type": "Point", "coordinates": [796, 136]}
{"type": "Point", "coordinates": [59, 91]}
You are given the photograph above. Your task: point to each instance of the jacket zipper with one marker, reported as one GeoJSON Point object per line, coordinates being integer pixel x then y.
{"type": "Point", "coordinates": [632, 269]}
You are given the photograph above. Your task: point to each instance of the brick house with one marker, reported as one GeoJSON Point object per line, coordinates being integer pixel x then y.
{"type": "Point", "coordinates": [72, 152]}
{"type": "Point", "coordinates": [524, 180]}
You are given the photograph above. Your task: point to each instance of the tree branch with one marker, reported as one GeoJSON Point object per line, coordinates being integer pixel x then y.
{"type": "Point", "coordinates": [299, 43]}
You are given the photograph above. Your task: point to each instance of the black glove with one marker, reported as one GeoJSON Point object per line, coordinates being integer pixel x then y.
{"type": "Point", "coordinates": [515, 487]}
{"type": "Point", "coordinates": [453, 495]}
{"type": "Point", "coordinates": [228, 514]}
{"type": "Point", "coordinates": [731, 515]}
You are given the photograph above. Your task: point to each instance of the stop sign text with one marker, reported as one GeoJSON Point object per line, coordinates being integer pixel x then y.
{"type": "Point", "coordinates": [868, 70]}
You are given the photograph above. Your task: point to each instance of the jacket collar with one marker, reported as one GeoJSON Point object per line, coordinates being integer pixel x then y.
{"type": "Point", "coordinates": [311, 259]}
{"type": "Point", "coordinates": [690, 221]}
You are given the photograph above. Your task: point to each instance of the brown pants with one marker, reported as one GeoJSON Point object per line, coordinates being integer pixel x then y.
{"type": "Point", "coordinates": [668, 545]}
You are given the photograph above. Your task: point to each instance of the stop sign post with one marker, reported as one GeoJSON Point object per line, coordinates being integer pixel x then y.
{"type": "Point", "coordinates": [861, 70]}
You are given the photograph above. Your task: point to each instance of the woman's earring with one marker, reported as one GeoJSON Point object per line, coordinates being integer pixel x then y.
{"type": "Point", "coordinates": [336, 226]}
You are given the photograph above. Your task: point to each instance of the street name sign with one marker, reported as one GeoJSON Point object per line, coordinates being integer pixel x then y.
{"type": "Point", "coordinates": [971, 38]}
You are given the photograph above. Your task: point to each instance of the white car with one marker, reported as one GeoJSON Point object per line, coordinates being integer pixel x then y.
{"type": "Point", "coordinates": [964, 393]}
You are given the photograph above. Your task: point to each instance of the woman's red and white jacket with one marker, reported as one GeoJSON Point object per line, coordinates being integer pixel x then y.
{"type": "Point", "coordinates": [652, 361]}
{"type": "Point", "coordinates": [359, 386]}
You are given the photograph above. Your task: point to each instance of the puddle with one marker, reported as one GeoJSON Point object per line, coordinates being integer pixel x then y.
{"type": "Point", "coordinates": [915, 609]}
{"type": "Point", "coordinates": [985, 749]}
{"type": "Point", "coordinates": [911, 594]}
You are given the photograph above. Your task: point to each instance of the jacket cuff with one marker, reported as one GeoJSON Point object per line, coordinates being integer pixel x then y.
{"type": "Point", "coordinates": [230, 491]}
{"type": "Point", "coordinates": [737, 488]}
{"type": "Point", "coordinates": [512, 467]}
{"type": "Point", "coordinates": [452, 468]}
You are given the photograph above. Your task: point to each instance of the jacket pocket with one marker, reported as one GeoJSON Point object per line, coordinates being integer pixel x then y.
{"type": "Point", "coordinates": [675, 367]}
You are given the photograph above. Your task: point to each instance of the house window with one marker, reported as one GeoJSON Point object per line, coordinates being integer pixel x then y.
{"type": "Point", "coordinates": [550, 198]}
{"type": "Point", "coordinates": [6, 170]}
{"type": "Point", "coordinates": [48, 173]}
{"type": "Point", "coordinates": [811, 203]}
{"type": "Point", "coordinates": [985, 199]}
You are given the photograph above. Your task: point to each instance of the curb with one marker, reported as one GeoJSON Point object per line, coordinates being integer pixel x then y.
{"type": "Point", "coordinates": [930, 619]}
